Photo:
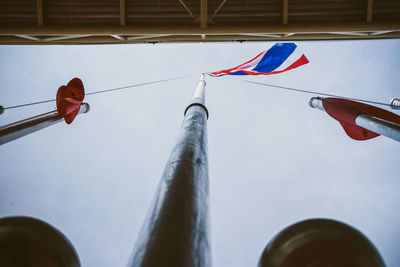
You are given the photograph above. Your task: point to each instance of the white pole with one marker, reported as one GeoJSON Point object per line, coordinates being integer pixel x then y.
{"type": "Point", "coordinates": [199, 93]}
{"type": "Point", "coordinates": [374, 124]}
{"type": "Point", "coordinates": [199, 98]}
{"type": "Point", "coordinates": [24, 127]}
{"type": "Point", "coordinates": [380, 126]}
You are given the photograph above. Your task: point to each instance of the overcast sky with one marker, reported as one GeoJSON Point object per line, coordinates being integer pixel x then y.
{"type": "Point", "coordinates": [273, 160]}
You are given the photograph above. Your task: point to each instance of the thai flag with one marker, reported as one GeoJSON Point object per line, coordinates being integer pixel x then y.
{"type": "Point", "coordinates": [279, 58]}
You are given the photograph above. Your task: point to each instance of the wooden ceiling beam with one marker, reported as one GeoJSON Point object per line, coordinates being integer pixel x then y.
{"type": "Point", "coordinates": [122, 12]}
{"type": "Point", "coordinates": [190, 38]}
{"type": "Point", "coordinates": [203, 13]}
{"type": "Point", "coordinates": [27, 37]}
{"type": "Point", "coordinates": [39, 11]}
{"type": "Point", "coordinates": [187, 9]}
{"type": "Point", "coordinates": [218, 8]}
{"type": "Point", "coordinates": [370, 7]}
{"type": "Point", "coordinates": [380, 32]}
{"type": "Point", "coordinates": [146, 36]}
{"type": "Point", "coordinates": [285, 12]}
{"type": "Point", "coordinates": [118, 37]}
{"type": "Point", "coordinates": [64, 37]}
{"type": "Point", "coordinates": [193, 29]}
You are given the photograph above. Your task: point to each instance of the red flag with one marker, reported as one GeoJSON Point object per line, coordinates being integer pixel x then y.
{"type": "Point", "coordinates": [69, 99]}
{"type": "Point", "coordinates": [346, 111]}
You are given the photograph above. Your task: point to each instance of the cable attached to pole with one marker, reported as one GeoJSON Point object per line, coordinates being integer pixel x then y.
{"type": "Point", "coordinates": [318, 93]}
{"type": "Point", "coordinates": [97, 92]}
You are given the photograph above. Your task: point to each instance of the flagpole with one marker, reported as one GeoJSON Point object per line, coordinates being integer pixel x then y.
{"type": "Point", "coordinates": [176, 229]}
{"type": "Point", "coordinates": [374, 124]}
{"type": "Point", "coordinates": [15, 130]}
{"type": "Point", "coordinates": [27, 241]}
{"type": "Point", "coordinates": [320, 242]}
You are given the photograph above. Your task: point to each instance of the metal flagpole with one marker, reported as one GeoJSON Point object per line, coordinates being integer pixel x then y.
{"type": "Point", "coordinates": [374, 124]}
{"type": "Point", "coordinates": [21, 128]}
{"type": "Point", "coordinates": [320, 242]}
{"type": "Point", "coordinates": [26, 241]}
{"type": "Point", "coordinates": [176, 229]}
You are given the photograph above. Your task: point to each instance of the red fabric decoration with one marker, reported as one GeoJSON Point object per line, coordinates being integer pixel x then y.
{"type": "Point", "coordinates": [346, 111]}
{"type": "Point", "coordinates": [69, 99]}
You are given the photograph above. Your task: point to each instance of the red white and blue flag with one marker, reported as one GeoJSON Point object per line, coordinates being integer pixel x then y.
{"type": "Point", "coordinates": [279, 58]}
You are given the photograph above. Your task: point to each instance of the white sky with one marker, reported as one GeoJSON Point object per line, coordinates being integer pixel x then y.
{"type": "Point", "coordinates": [273, 160]}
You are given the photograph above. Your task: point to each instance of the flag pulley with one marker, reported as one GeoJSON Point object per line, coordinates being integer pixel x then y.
{"type": "Point", "coordinates": [69, 105]}
{"type": "Point", "coordinates": [360, 121]}
{"type": "Point", "coordinates": [395, 103]}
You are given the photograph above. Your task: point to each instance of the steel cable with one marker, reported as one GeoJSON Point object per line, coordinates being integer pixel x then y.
{"type": "Point", "coordinates": [103, 91]}
{"type": "Point", "coordinates": [318, 93]}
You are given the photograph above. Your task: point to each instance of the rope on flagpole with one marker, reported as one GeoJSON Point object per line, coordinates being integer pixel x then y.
{"type": "Point", "coordinates": [318, 93]}
{"type": "Point", "coordinates": [102, 91]}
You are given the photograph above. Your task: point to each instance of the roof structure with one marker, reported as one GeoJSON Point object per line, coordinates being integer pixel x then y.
{"type": "Point", "coordinates": [150, 21]}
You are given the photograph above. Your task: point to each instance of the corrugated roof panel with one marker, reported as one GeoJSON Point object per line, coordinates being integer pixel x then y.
{"type": "Point", "coordinates": [18, 12]}
{"type": "Point", "coordinates": [327, 10]}
{"type": "Point", "coordinates": [250, 11]}
{"type": "Point", "coordinates": [386, 10]}
{"type": "Point", "coordinates": [163, 11]}
{"type": "Point", "coordinates": [75, 12]}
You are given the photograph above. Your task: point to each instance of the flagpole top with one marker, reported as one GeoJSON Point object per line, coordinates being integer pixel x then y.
{"type": "Point", "coordinates": [199, 93]}
{"type": "Point", "coordinates": [199, 96]}
{"type": "Point", "coordinates": [394, 103]}
{"type": "Point", "coordinates": [86, 107]}
{"type": "Point", "coordinates": [203, 77]}
{"type": "Point", "coordinates": [316, 102]}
